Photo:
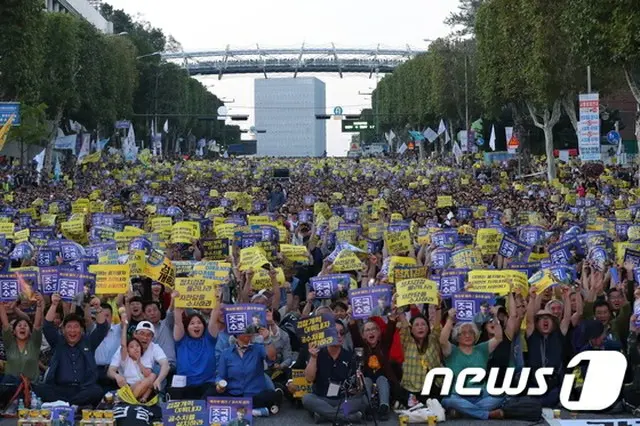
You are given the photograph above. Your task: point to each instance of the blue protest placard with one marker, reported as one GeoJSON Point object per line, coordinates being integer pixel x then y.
{"type": "Point", "coordinates": [97, 249]}
{"type": "Point", "coordinates": [46, 257]}
{"type": "Point", "coordinates": [318, 329]}
{"type": "Point", "coordinates": [563, 274]}
{"type": "Point", "coordinates": [374, 246]}
{"type": "Point", "coordinates": [8, 109]}
{"type": "Point", "coordinates": [9, 287]}
{"type": "Point", "coordinates": [598, 257]}
{"type": "Point", "coordinates": [561, 251]}
{"type": "Point", "coordinates": [250, 239]}
{"type": "Point", "coordinates": [632, 256]}
{"type": "Point", "coordinates": [464, 213]}
{"type": "Point", "coordinates": [327, 285]}
{"type": "Point", "coordinates": [70, 284]}
{"type": "Point", "coordinates": [471, 307]}
{"type": "Point", "coordinates": [185, 413]}
{"type": "Point", "coordinates": [446, 238]}
{"type": "Point", "coordinates": [305, 216]}
{"type": "Point", "coordinates": [440, 258]}
{"type": "Point", "coordinates": [370, 301]}
{"type": "Point", "coordinates": [451, 282]}
{"type": "Point", "coordinates": [49, 280]}
{"type": "Point", "coordinates": [531, 235]}
{"type": "Point", "coordinates": [239, 317]}
{"type": "Point", "coordinates": [71, 251]}
{"type": "Point", "coordinates": [511, 247]}
{"type": "Point", "coordinates": [230, 411]}
{"type": "Point", "coordinates": [622, 226]}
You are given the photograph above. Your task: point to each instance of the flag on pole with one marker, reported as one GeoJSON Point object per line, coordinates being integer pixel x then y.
{"type": "Point", "coordinates": [492, 140]}
{"type": "Point", "coordinates": [447, 137]}
{"type": "Point", "coordinates": [441, 128]}
{"type": "Point", "coordinates": [402, 148]}
{"type": "Point", "coordinates": [430, 135]}
{"type": "Point", "coordinates": [166, 126]}
{"type": "Point", "coordinates": [457, 151]}
{"type": "Point", "coordinates": [57, 170]}
{"type": "Point", "coordinates": [4, 131]}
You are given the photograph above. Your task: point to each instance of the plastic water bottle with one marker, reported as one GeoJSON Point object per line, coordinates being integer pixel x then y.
{"type": "Point", "coordinates": [21, 404]}
{"type": "Point", "coordinates": [34, 401]}
{"type": "Point", "coordinates": [260, 412]}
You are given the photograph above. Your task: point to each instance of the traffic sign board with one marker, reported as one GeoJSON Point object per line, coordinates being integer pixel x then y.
{"type": "Point", "coordinates": [613, 137]}
{"type": "Point", "coordinates": [356, 126]}
{"type": "Point", "coordinates": [338, 110]}
{"type": "Point", "coordinates": [7, 109]}
{"type": "Point", "coordinates": [122, 124]}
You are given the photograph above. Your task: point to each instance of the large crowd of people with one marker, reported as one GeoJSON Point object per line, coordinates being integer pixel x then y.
{"type": "Point", "coordinates": [573, 239]}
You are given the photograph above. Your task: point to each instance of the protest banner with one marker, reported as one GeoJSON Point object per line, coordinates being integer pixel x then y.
{"type": "Point", "coordinates": [347, 261]}
{"type": "Point", "coordinates": [347, 235]}
{"type": "Point", "coordinates": [295, 253]}
{"type": "Point", "coordinates": [230, 411]}
{"type": "Point", "coordinates": [300, 383]}
{"type": "Point", "coordinates": [416, 291]}
{"type": "Point", "coordinates": [498, 282]}
{"type": "Point", "coordinates": [541, 280]}
{"type": "Point", "coordinates": [70, 284]}
{"type": "Point", "coordinates": [326, 286]}
{"type": "Point", "coordinates": [9, 287]}
{"type": "Point", "coordinates": [399, 242]}
{"type": "Point", "coordinates": [183, 267]}
{"type": "Point", "coordinates": [469, 258]}
{"type": "Point", "coordinates": [488, 240]}
{"type": "Point", "coordinates": [472, 307]}
{"type": "Point", "coordinates": [109, 257]}
{"type": "Point", "coordinates": [111, 279]}
{"type": "Point", "coordinates": [370, 301]}
{"type": "Point", "coordinates": [560, 252]}
{"type": "Point", "coordinates": [49, 280]}
{"type": "Point", "coordinates": [446, 238]}
{"type": "Point", "coordinates": [252, 258]}
{"type": "Point", "coordinates": [161, 223]}
{"type": "Point", "coordinates": [212, 270]}
{"type": "Point", "coordinates": [239, 317]}
{"type": "Point", "coordinates": [318, 329]}
{"type": "Point", "coordinates": [451, 281]}
{"type": "Point", "coordinates": [444, 201]}
{"type": "Point", "coordinates": [632, 257]}
{"type": "Point", "coordinates": [441, 258]}
{"type": "Point", "coordinates": [185, 413]}
{"type": "Point", "coordinates": [196, 293]}
{"type": "Point", "coordinates": [136, 261]}
{"type": "Point", "coordinates": [215, 248]}
{"type": "Point", "coordinates": [407, 272]}
{"type": "Point", "coordinates": [261, 279]}
{"type": "Point", "coordinates": [21, 236]}
{"type": "Point", "coordinates": [159, 268]}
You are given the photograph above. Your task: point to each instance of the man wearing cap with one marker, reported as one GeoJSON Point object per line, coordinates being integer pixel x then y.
{"type": "Point", "coordinates": [73, 374]}
{"type": "Point", "coordinates": [151, 354]}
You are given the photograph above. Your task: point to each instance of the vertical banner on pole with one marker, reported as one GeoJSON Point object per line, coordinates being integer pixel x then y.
{"type": "Point", "coordinates": [589, 127]}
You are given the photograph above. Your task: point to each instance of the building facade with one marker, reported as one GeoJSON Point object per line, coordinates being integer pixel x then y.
{"type": "Point", "coordinates": [83, 9]}
{"type": "Point", "coordinates": [285, 109]}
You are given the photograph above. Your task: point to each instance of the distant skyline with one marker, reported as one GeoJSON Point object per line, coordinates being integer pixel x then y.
{"type": "Point", "coordinates": [207, 25]}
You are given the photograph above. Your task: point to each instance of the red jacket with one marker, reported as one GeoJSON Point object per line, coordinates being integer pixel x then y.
{"type": "Point", "coordinates": [395, 354]}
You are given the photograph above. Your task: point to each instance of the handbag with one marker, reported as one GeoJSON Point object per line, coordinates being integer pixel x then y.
{"type": "Point", "coordinates": [522, 408]}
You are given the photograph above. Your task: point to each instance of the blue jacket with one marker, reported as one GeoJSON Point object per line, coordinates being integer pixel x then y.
{"type": "Point", "coordinates": [88, 344]}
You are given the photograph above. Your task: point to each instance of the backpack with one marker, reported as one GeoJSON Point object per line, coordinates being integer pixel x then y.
{"type": "Point", "coordinates": [522, 408]}
{"type": "Point", "coordinates": [289, 324]}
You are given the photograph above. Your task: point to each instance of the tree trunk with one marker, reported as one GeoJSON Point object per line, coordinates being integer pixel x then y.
{"type": "Point", "coordinates": [568, 104]}
{"type": "Point", "coordinates": [549, 120]}
{"type": "Point", "coordinates": [51, 143]}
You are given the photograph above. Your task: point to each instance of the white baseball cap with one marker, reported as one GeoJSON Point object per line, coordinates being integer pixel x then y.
{"type": "Point", "coordinates": [146, 325]}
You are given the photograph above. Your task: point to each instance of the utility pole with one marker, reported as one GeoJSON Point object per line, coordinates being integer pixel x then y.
{"type": "Point", "coordinates": [466, 93]}
{"type": "Point", "coordinates": [589, 79]}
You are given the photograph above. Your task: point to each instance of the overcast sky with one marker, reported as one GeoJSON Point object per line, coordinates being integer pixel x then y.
{"type": "Point", "coordinates": [211, 25]}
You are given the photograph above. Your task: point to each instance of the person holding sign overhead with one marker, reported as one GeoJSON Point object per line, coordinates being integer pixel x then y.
{"type": "Point", "coordinates": [195, 353]}
{"type": "Point", "coordinates": [466, 354]}
{"type": "Point", "coordinates": [72, 375]}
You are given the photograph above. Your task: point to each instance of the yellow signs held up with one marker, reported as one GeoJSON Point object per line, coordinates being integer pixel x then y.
{"type": "Point", "coordinates": [399, 242]}
{"type": "Point", "coordinates": [160, 223]}
{"type": "Point", "coordinates": [136, 263]}
{"type": "Point", "coordinates": [408, 272]}
{"type": "Point", "coordinates": [185, 232]}
{"type": "Point", "coordinates": [416, 291]}
{"type": "Point", "coordinates": [262, 280]}
{"type": "Point", "coordinates": [111, 279]}
{"type": "Point", "coordinates": [294, 253]}
{"type": "Point", "coordinates": [488, 240]}
{"type": "Point", "coordinates": [347, 261]}
{"type": "Point", "coordinates": [444, 201]}
{"type": "Point", "coordinates": [7, 229]}
{"type": "Point", "coordinates": [160, 269]}
{"type": "Point", "coordinates": [196, 293]}
{"type": "Point", "coordinates": [252, 258]}
{"type": "Point", "coordinates": [498, 282]}
{"type": "Point", "coordinates": [21, 236]}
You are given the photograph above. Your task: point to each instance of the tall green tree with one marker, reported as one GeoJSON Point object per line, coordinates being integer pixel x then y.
{"type": "Point", "coordinates": [465, 18]}
{"type": "Point", "coordinates": [21, 42]}
{"type": "Point", "coordinates": [525, 55]}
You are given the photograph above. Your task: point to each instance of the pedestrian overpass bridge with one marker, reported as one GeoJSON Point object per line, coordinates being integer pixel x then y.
{"type": "Point", "coordinates": [305, 59]}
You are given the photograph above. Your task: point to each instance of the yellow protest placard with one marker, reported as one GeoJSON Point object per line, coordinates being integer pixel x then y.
{"type": "Point", "coordinates": [20, 236]}
{"type": "Point", "coordinates": [444, 201]}
{"type": "Point", "coordinates": [298, 381]}
{"type": "Point", "coordinates": [416, 291]}
{"type": "Point", "coordinates": [347, 261]}
{"type": "Point", "coordinates": [161, 222]}
{"type": "Point", "coordinates": [498, 282]}
{"type": "Point", "coordinates": [624, 214]}
{"type": "Point", "coordinates": [488, 240]}
{"type": "Point", "coordinates": [185, 232]}
{"type": "Point", "coordinates": [212, 270]}
{"type": "Point", "coordinates": [136, 263]}
{"type": "Point", "coordinates": [252, 258]}
{"type": "Point", "coordinates": [541, 280]}
{"type": "Point", "coordinates": [80, 206]}
{"type": "Point", "coordinates": [259, 220]}
{"type": "Point", "coordinates": [467, 258]}
{"type": "Point", "coordinates": [396, 261]}
{"type": "Point", "coordinates": [347, 235]}
{"type": "Point", "coordinates": [376, 230]}
{"type": "Point", "coordinates": [7, 229]}
{"type": "Point", "coordinates": [262, 280]}
{"type": "Point", "coordinates": [196, 293]}
{"type": "Point", "coordinates": [160, 269]}
{"type": "Point", "coordinates": [294, 253]}
{"type": "Point", "coordinates": [407, 272]}
{"type": "Point", "coordinates": [111, 279]}
{"type": "Point", "coordinates": [225, 230]}
{"type": "Point", "coordinates": [399, 242]}
{"type": "Point", "coordinates": [54, 208]}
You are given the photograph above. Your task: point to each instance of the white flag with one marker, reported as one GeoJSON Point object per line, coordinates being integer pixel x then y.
{"type": "Point", "coordinates": [430, 135]}
{"type": "Point", "coordinates": [441, 128]}
{"type": "Point", "coordinates": [402, 148]}
{"type": "Point", "coordinates": [492, 140]}
{"type": "Point", "coordinates": [85, 148]}
{"type": "Point", "coordinates": [166, 126]}
{"type": "Point", "coordinates": [391, 136]}
{"type": "Point", "coordinates": [447, 137]}
{"type": "Point", "coordinates": [508, 133]}
{"type": "Point", "coordinates": [457, 151]}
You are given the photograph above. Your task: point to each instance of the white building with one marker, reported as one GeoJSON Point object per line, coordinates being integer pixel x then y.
{"type": "Point", "coordinates": [83, 9]}
{"type": "Point", "coordinates": [286, 108]}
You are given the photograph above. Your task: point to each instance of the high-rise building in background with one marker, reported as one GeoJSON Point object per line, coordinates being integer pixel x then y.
{"type": "Point", "coordinates": [87, 10]}
{"type": "Point", "coordinates": [285, 109]}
